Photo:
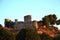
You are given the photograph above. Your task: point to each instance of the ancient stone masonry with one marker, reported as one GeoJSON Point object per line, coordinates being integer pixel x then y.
{"type": "Point", "coordinates": [22, 24]}
{"type": "Point", "coordinates": [28, 23]}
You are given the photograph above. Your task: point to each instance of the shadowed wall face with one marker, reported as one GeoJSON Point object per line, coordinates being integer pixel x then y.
{"type": "Point", "coordinates": [27, 18]}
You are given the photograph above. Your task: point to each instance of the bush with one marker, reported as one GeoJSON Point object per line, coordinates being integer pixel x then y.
{"type": "Point", "coordinates": [27, 34]}
{"type": "Point", "coordinates": [6, 35]}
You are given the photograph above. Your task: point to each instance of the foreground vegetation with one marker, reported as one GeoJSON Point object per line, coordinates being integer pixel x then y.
{"type": "Point", "coordinates": [25, 34]}
{"type": "Point", "coordinates": [31, 34]}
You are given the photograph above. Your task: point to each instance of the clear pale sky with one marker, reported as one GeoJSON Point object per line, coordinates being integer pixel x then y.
{"type": "Point", "coordinates": [17, 9]}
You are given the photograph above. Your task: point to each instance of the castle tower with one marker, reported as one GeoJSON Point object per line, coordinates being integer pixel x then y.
{"type": "Point", "coordinates": [27, 18]}
{"type": "Point", "coordinates": [16, 20]}
{"type": "Point", "coordinates": [36, 24]}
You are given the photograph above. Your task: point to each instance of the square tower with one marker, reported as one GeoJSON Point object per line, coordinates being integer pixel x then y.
{"type": "Point", "coordinates": [27, 18]}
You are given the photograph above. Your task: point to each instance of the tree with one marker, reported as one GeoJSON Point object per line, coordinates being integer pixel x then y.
{"type": "Point", "coordinates": [1, 27]}
{"type": "Point", "coordinates": [21, 35]}
{"type": "Point", "coordinates": [49, 19]}
{"type": "Point", "coordinates": [57, 37]}
{"type": "Point", "coordinates": [52, 19]}
{"type": "Point", "coordinates": [9, 24]}
{"type": "Point", "coordinates": [46, 20]}
{"type": "Point", "coordinates": [27, 34]}
{"type": "Point", "coordinates": [45, 37]}
{"type": "Point", "coordinates": [40, 23]}
{"type": "Point", "coordinates": [58, 22]}
{"type": "Point", "coordinates": [6, 35]}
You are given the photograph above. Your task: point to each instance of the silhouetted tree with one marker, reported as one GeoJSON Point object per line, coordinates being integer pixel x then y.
{"type": "Point", "coordinates": [58, 22]}
{"type": "Point", "coordinates": [27, 34]}
{"type": "Point", "coordinates": [52, 19]}
{"type": "Point", "coordinates": [1, 27]}
{"type": "Point", "coordinates": [6, 35]}
{"type": "Point", "coordinates": [57, 37]}
{"type": "Point", "coordinates": [21, 35]}
{"type": "Point", "coordinates": [45, 37]}
{"type": "Point", "coordinates": [49, 19]}
{"type": "Point", "coordinates": [9, 24]}
{"type": "Point", "coordinates": [46, 20]}
{"type": "Point", "coordinates": [40, 23]}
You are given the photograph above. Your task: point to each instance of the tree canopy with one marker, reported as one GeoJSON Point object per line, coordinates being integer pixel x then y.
{"type": "Point", "coordinates": [6, 35]}
{"type": "Point", "coordinates": [27, 34]}
{"type": "Point", "coordinates": [50, 20]}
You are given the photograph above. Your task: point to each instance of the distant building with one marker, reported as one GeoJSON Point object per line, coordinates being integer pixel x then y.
{"type": "Point", "coordinates": [28, 23]}
{"type": "Point", "coordinates": [27, 18]}
{"type": "Point", "coordinates": [20, 24]}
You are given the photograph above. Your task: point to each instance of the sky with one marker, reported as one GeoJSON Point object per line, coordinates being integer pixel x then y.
{"type": "Point", "coordinates": [17, 9]}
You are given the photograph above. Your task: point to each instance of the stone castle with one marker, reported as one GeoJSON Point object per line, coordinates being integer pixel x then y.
{"type": "Point", "coordinates": [22, 24]}
{"type": "Point", "coordinates": [28, 23]}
